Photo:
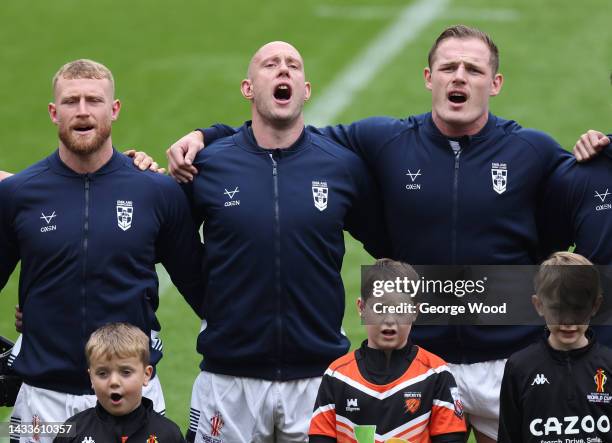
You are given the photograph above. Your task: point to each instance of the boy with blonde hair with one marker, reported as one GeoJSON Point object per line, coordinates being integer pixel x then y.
{"type": "Point", "coordinates": [118, 358]}
{"type": "Point", "coordinates": [388, 389]}
{"type": "Point", "coordinates": [557, 389]}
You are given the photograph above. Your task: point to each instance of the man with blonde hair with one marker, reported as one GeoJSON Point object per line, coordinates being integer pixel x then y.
{"type": "Point", "coordinates": [88, 229]}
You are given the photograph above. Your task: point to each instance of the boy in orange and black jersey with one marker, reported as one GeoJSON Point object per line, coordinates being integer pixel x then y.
{"type": "Point", "coordinates": [388, 388]}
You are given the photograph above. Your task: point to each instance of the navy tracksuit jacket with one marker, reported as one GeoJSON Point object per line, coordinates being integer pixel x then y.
{"type": "Point", "coordinates": [273, 237]}
{"type": "Point", "coordinates": [88, 244]}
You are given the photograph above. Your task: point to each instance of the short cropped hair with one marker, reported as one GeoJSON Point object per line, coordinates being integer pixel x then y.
{"type": "Point", "coordinates": [117, 340]}
{"type": "Point", "coordinates": [384, 269]}
{"type": "Point", "coordinates": [465, 32]}
{"type": "Point", "coordinates": [84, 68]}
{"type": "Point", "coordinates": [576, 285]}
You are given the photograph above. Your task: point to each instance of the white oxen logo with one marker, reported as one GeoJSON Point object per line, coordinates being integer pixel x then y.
{"type": "Point", "coordinates": [499, 175]}
{"type": "Point", "coordinates": [125, 213]}
{"type": "Point", "coordinates": [320, 194]}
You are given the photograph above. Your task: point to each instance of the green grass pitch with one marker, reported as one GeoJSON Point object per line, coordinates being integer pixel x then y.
{"type": "Point", "coordinates": [178, 66]}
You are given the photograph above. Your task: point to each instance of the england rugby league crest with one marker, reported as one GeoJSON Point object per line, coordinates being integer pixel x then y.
{"type": "Point", "coordinates": [320, 194]}
{"type": "Point", "coordinates": [125, 213]}
{"type": "Point", "coordinates": [499, 175]}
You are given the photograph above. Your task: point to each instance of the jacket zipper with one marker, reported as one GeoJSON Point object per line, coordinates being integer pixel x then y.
{"type": "Point", "coordinates": [570, 393]}
{"type": "Point", "coordinates": [277, 277]}
{"type": "Point", "coordinates": [455, 215]}
{"type": "Point", "coordinates": [85, 246]}
{"type": "Point", "coordinates": [455, 208]}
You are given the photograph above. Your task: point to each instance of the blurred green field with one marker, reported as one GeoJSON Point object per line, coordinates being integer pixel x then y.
{"type": "Point", "coordinates": [178, 66]}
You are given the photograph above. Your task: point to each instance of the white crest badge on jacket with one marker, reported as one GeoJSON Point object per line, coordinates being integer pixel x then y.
{"type": "Point", "coordinates": [125, 213]}
{"type": "Point", "coordinates": [499, 175]}
{"type": "Point", "coordinates": [320, 194]}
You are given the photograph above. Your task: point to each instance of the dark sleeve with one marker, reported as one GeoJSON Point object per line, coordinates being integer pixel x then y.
{"type": "Point", "coordinates": [178, 436]}
{"type": "Point", "coordinates": [216, 132]}
{"type": "Point", "coordinates": [510, 416]}
{"type": "Point", "coordinates": [447, 410]}
{"type": "Point", "coordinates": [9, 252]}
{"type": "Point", "coordinates": [179, 248]}
{"type": "Point", "coordinates": [365, 219]}
{"type": "Point", "coordinates": [555, 212]}
{"type": "Point", "coordinates": [323, 422]}
{"type": "Point", "coordinates": [363, 137]}
{"type": "Point", "coordinates": [553, 215]}
{"type": "Point", "coordinates": [454, 437]}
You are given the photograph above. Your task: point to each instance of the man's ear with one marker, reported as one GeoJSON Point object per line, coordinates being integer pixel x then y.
{"type": "Point", "coordinates": [246, 87]}
{"type": "Point", "coordinates": [116, 109]}
{"type": "Point", "coordinates": [52, 112]}
{"type": "Point", "coordinates": [498, 81]}
{"type": "Point", "coordinates": [427, 76]}
{"type": "Point", "coordinates": [307, 91]}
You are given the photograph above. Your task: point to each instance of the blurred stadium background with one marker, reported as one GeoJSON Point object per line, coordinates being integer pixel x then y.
{"type": "Point", "coordinates": [178, 65]}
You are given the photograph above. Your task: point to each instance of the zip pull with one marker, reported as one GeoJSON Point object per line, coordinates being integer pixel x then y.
{"type": "Point", "coordinates": [274, 172]}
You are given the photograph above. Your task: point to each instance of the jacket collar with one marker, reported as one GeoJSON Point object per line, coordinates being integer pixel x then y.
{"type": "Point", "coordinates": [377, 361]}
{"type": "Point", "coordinates": [574, 354]}
{"type": "Point", "coordinates": [56, 164]}
{"type": "Point", "coordinates": [129, 424]}
{"type": "Point", "coordinates": [432, 130]}
{"type": "Point", "coordinates": [246, 140]}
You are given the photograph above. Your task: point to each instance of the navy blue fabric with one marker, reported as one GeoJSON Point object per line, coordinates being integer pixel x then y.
{"type": "Point", "coordinates": [275, 296]}
{"type": "Point", "coordinates": [80, 270]}
{"type": "Point", "coordinates": [454, 215]}
{"type": "Point", "coordinates": [577, 210]}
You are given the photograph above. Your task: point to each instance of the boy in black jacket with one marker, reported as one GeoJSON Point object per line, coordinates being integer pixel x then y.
{"type": "Point", "coordinates": [557, 389]}
{"type": "Point", "coordinates": [118, 357]}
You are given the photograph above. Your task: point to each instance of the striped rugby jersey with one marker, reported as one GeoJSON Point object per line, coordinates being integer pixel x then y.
{"type": "Point", "coordinates": [421, 403]}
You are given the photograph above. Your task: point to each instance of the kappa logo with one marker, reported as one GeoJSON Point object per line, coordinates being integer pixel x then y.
{"type": "Point", "coordinates": [539, 379]}
{"type": "Point", "coordinates": [602, 196]}
{"type": "Point", "coordinates": [499, 175]}
{"type": "Point", "coordinates": [230, 195]}
{"type": "Point", "coordinates": [413, 176]}
{"type": "Point", "coordinates": [48, 219]}
{"type": "Point", "coordinates": [88, 440]}
{"type": "Point", "coordinates": [125, 214]}
{"type": "Point", "coordinates": [352, 405]}
{"type": "Point", "coordinates": [320, 194]}
{"type": "Point", "coordinates": [216, 424]}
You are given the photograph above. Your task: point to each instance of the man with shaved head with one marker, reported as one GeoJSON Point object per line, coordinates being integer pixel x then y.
{"type": "Point", "coordinates": [274, 200]}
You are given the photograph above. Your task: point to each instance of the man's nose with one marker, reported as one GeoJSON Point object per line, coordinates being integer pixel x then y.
{"type": "Point", "coordinates": [83, 108]}
{"type": "Point", "coordinates": [459, 74]}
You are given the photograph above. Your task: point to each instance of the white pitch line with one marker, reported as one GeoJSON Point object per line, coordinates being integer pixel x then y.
{"type": "Point", "coordinates": [378, 12]}
{"type": "Point", "coordinates": [339, 94]}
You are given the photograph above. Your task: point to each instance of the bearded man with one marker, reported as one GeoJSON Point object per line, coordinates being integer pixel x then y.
{"type": "Point", "coordinates": [88, 229]}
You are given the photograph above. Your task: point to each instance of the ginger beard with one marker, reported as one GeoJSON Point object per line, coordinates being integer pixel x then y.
{"type": "Point", "coordinates": [84, 137]}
